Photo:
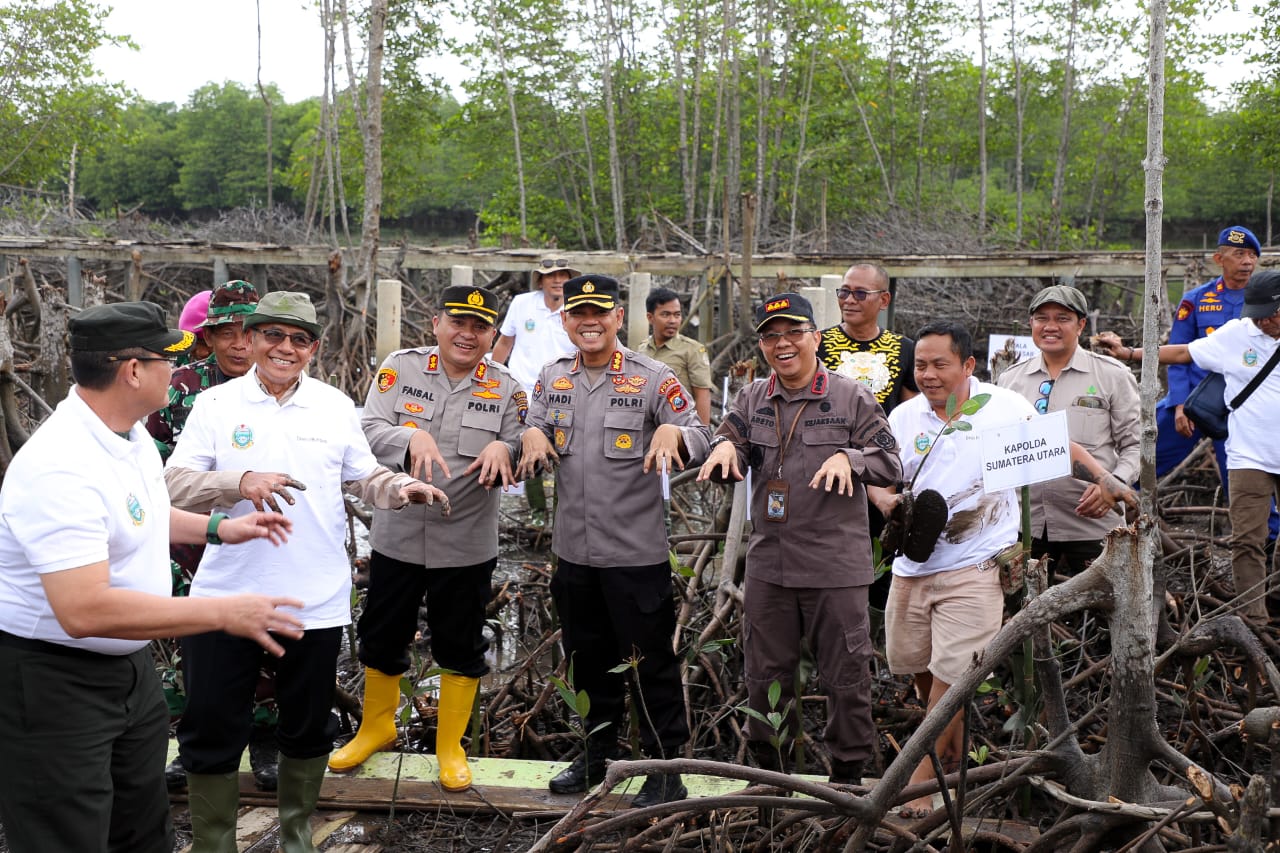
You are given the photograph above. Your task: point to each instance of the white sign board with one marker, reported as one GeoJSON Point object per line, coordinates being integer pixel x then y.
{"type": "Point", "coordinates": [1023, 345]}
{"type": "Point", "coordinates": [1027, 452]}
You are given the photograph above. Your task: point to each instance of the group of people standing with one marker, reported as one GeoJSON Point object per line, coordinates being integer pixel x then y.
{"type": "Point", "coordinates": [248, 459]}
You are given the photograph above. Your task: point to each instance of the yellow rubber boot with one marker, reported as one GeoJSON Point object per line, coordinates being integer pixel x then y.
{"type": "Point", "coordinates": [457, 697]}
{"type": "Point", "coordinates": [377, 726]}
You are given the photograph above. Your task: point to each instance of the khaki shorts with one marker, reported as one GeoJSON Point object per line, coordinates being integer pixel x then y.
{"type": "Point", "coordinates": [937, 622]}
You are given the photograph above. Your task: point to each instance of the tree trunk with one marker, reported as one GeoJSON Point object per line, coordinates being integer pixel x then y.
{"type": "Point", "coordinates": [499, 48]}
{"type": "Point", "coordinates": [266, 103]}
{"type": "Point", "coordinates": [611, 122]}
{"type": "Point", "coordinates": [371, 218]}
{"type": "Point", "coordinates": [1064, 135]}
{"type": "Point", "coordinates": [982, 121]}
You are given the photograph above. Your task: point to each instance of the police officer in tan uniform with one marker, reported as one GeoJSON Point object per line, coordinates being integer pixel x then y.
{"type": "Point", "coordinates": [686, 357]}
{"type": "Point", "coordinates": [614, 419]}
{"type": "Point", "coordinates": [812, 438]}
{"type": "Point", "coordinates": [449, 415]}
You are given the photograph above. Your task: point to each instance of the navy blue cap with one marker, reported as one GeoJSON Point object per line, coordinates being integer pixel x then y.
{"type": "Point", "coordinates": [1240, 237]}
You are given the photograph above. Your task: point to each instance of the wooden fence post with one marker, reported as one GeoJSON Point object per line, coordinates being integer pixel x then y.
{"type": "Point", "coordinates": [460, 276]}
{"type": "Point", "coordinates": [134, 287]}
{"type": "Point", "coordinates": [220, 274]}
{"type": "Point", "coordinates": [637, 323]}
{"type": "Point", "coordinates": [75, 285]}
{"type": "Point", "coordinates": [390, 309]}
{"type": "Point", "coordinates": [830, 284]}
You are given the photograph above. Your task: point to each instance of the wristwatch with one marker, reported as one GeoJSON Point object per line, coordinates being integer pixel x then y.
{"type": "Point", "coordinates": [719, 440]}
{"type": "Point", "coordinates": [211, 532]}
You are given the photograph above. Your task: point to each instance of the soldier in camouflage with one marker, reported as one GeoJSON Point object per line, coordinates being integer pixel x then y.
{"type": "Point", "coordinates": [222, 332]}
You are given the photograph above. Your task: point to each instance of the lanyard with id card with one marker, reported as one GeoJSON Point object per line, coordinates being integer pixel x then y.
{"type": "Point", "coordinates": [777, 491]}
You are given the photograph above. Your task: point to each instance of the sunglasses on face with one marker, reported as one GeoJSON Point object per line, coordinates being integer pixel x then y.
{"type": "Point", "coordinates": [300, 340]}
{"type": "Point", "coordinates": [858, 295]}
{"type": "Point", "coordinates": [794, 335]}
{"type": "Point", "coordinates": [115, 358]}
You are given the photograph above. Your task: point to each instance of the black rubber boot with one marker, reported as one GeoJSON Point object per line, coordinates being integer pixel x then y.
{"type": "Point", "coordinates": [846, 772]}
{"type": "Point", "coordinates": [587, 770]}
{"type": "Point", "coordinates": [264, 758]}
{"type": "Point", "coordinates": [659, 788]}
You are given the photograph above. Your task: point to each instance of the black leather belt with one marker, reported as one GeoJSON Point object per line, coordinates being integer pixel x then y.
{"type": "Point", "coordinates": [45, 647]}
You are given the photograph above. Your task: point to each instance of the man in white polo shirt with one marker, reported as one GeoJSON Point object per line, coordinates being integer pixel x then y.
{"type": "Point", "coordinates": [85, 527]}
{"type": "Point", "coordinates": [1239, 350]}
{"type": "Point", "coordinates": [947, 608]}
{"type": "Point", "coordinates": [238, 439]}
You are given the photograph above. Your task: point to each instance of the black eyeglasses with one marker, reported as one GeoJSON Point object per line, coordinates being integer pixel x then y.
{"type": "Point", "coordinates": [858, 295]}
{"type": "Point", "coordinates": [1042, 405]}
{"type": "Point", "coordinates": [169, 359]}
{"type": "Point", "coordinates": [795, 335]}
{"type": "Point", "coordinates": [552, 263]}
{"type": "Point", "coordinates": [275, 337]}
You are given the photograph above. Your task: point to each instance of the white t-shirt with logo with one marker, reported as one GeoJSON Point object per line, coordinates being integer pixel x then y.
{"type": "Point", "coordinates": [1238, 350]}
{"type": "Point", "coordinates": [315, 438]}
{"type": "Point", "coordinates": [980, 525]}
{"type": "Point", "coordinates": [539, 336]}
{"type": "Point", "coordinates": [78, 494]}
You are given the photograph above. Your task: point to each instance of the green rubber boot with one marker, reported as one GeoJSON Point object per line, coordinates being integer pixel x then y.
{"type": "Point", "coordinates": [214, 799]}
{"type": "Point", "coordinates": [300, 780]}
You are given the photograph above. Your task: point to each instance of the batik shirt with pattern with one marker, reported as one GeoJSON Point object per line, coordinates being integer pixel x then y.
{"type": "Point", "coordinates": [885, 364]}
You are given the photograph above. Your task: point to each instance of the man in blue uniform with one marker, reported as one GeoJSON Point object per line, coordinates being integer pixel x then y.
{"type": "Point", "coordinates": [1202, 310]}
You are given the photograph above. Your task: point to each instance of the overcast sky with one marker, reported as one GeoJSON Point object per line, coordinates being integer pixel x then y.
{"type": "Point", "coordinates": [185, 44]}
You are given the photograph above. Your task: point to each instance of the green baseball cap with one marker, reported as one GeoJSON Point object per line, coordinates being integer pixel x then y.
{"type": "Point", "coordinates": [289, 309]}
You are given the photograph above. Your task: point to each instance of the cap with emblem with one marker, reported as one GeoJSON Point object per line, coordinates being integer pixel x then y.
{"type": "Point", "coordinates": [126, 325]}
{"type": "Point", "coordinates": [598, 290]}
{"type": "Point", "coordinates": [193, 313]}
{"type": "Point", "coordinates": [1262, 295]}
{"type": "Point", "coordinates": [290, 309]}
{"type": "Point", "coordinates": [1240, 237]}
{"type": "Point", "coordinates": [555, 263]}
{"type": "Point", "coordinates": [460, 300]}
{"type": "Point", "coordinates": [1064, 295]}
{"type": "Point", "coordinates": [230, 303]}
{"type": "Point", "coordinates": [789, 306]}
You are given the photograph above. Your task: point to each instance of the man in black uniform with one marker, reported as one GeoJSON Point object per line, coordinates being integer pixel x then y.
{"type": "Point", "coordinates": [596, 411]}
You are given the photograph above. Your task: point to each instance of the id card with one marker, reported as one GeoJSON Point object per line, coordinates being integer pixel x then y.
{"type": "Point", "coordinates": [776, 492]}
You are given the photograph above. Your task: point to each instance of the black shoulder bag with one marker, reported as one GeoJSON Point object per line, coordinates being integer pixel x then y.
{"type": "Point", "coordinates": [1207, 407]}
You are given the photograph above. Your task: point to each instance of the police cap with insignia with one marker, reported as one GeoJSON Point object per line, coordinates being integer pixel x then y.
{"type": "Point", "coordinates": [230, 302]}
{"type": "Point", "coordinates": [1064, 295]}
{"type": "Point", "coordinates": [1261, 295]}
{"type": "Point", "coordinates": [126, 325]}
{"type": "Point", "coordinates": [789, 306]}
{"type": "Point", "coordinates": [1240, 237]}
{"type": "Point", "coordinates": [465, 300]}
{"type": "Point", "coordinates": [598, 290]}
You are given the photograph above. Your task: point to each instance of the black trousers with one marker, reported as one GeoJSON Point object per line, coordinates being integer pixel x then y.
{"type": "Point", "coordinates": [1067, 558]}
{"type": "Point", "coordinates": [221, 673]}
{"type": "Point", "coordinates": [456, 599]}
{"type": "Point", "coordinates": [610, 616]}
{"type": "Point", "coordinates": [83, 739]}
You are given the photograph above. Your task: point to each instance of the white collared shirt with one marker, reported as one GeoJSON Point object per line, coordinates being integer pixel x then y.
{"type": "Point", "coordinates": [980, 525]}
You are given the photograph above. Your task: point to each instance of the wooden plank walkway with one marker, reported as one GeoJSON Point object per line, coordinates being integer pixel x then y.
{"type": "Point", "coordinates": [500, 785]}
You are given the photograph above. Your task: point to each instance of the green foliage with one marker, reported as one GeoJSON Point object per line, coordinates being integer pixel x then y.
{"type": "Point", "coordinates": [822, 108]}
{"type": "Point", "coordinates": [49, 99]}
